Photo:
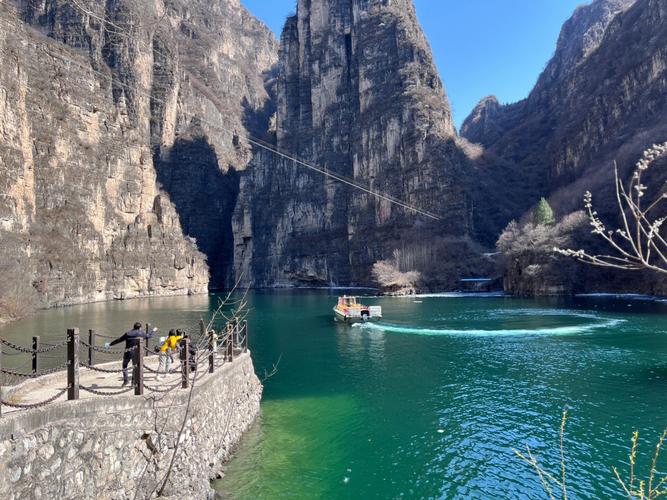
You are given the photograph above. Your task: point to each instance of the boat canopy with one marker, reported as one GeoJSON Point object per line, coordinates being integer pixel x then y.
{"type": "Point", "coordinates": [347, 301]}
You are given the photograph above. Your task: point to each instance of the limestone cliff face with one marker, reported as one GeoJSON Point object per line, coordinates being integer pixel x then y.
{"type": "Point", "coordinates": [600, 98]}
{"type": "Point", "coordinates": [580, 36]}
{"type": "Point", "coordinates": [357, 94]}
{"type": "Point", "coordinates": [216, 65]}
{"type": "Point", "coordinates": [104, 108]}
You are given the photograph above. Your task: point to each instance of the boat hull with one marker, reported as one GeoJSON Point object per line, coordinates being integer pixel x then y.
{"type": "Point", "coordinates": [341, 316]}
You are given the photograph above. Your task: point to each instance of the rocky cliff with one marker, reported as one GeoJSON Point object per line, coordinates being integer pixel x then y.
{"type": "Point", "coordinates": [127, 161]}
{"type": "Point", "coordinates": [357, 94]}
{"type": "Point", "coordinates": [105, 109]}
{"type": "Point", "coordinates": [601, 98]}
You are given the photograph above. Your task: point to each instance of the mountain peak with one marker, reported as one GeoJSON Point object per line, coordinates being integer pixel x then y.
{"type": "Point", "coordinates": [580, 36]}
{"type": "Point", "coordinates": [481, 123]}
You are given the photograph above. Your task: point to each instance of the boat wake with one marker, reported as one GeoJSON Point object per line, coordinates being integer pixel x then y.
{"type": "Point", "coordinates": [459, 295]}
{"type": "Point", "coordinates": [623, 296]}
{"type": "Point", "coordinates": [558, 330]}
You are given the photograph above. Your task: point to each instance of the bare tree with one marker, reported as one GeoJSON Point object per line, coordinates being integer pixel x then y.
{"type": "Point", "coordinates": [641, 241]}
{"type": "Point", "coordinates": [555, 484]}
{"type": "Point", "coordinates": [388, 275]}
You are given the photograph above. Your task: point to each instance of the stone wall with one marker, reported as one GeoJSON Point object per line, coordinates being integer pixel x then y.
{"type": "Point", "coordinates": [108, 448]}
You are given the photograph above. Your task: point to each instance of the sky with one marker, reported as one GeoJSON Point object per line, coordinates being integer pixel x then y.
{"type": "Point", "coordinates": [481, 47]}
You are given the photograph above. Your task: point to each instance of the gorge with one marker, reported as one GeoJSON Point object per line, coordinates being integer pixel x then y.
{"type": "Point", "coordinates": [132, 158]}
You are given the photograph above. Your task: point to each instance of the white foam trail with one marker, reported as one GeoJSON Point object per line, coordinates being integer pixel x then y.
{"type": "Point", "coordinates": [454, 295]}
{"type": "Point", "coordinates": [559, 330]}
{"type": "Point", "coordinates": [542, 312]}
{"type": "Point", "coordinates": [626, 296]}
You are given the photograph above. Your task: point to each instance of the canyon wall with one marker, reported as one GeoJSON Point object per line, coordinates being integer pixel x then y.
{"type": "Point", "coordinates": [82, 217]}
{"type": "Point", "coordinates": [130, 159]}
{"type": "Point", "coordinates": [600, 99]}
{"type": "Point", "coordinates": [119, 125]}
{"type": "Point", "coordinates": [357, 95]}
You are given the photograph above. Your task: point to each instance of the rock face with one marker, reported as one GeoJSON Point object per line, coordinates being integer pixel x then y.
{"type": "Point", "coordinates": [105, 109]}
{"type": "Point", "coordinates": [127, 158]}
{"type": "Point", "coordinates": [215, 69]}
{"type": "Point", "coordinates": [357, 95]}
{"type": "Point", "coordinates": [600, 98]}
{"type": "Point", "coordinates": [482, 125]}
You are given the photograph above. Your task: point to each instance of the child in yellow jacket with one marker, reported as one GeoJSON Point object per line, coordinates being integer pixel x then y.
{"type": "Point", "coordinates": [167, 349]}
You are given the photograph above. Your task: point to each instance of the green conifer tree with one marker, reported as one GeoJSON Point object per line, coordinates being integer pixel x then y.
{"type": "Point", "coordinates": [543, 215]}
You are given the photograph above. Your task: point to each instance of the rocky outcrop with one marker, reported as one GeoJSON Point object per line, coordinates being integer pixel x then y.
{"type": "Point", "coordinates": [483, 124]}
{"type": "Point", "coordinates": [82, 214]}
{"type": "Point", "coordinates": [357, 95]}
{"type": "Point", "coordinates": [600, 98]}
{"type": "Point", "coordinates": [217, 65]}
{"type": "Point", "coordinates": [106, 108]}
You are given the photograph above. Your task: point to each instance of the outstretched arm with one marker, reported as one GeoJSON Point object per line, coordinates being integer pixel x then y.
{"type": "Point", "coordinates": [150, 333]}
{"type": "Point", "coordinates": [120, 339]}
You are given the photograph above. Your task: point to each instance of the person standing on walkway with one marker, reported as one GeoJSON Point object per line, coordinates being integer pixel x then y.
{"type": "Point", "coordinates": [167, 350]}
{"type": "Point", "coordinates": [131, 340]}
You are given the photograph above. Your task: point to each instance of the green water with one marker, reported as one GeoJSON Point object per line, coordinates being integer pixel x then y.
{"type": "Point", "coordinates": [429, 402]}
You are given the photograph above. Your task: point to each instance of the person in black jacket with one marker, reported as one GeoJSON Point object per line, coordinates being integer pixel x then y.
{"type": "Point", "coordinates": [131, 340]}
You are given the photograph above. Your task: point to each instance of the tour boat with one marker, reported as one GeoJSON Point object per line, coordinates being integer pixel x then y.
{"type": "Point", "coordinates": [350, 311]}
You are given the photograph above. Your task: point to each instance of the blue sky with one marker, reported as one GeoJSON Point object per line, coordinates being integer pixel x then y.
{"type": "Point", "coordinates": [481, 47]}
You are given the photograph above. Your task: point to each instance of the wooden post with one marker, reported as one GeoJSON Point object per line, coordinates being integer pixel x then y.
{"type": "Point", "coordinates": [185, 363]}
{"type": "Point", "coordinates": [138, 368]}
{"type": "Point", "coordinates": [73, 363]}
{"type": "Point", "coordinates": [211, 354]}
{"type": "Point", "coordinates": [35, 356]}
{"type": "Point", "coordinates": [148, 341]}
{"type": "Point", "coordinates": [245, 340]}
{"type": "Point", "coordinates": [230, 343]}
{"type": "Point", "coordinates": [91, 345]}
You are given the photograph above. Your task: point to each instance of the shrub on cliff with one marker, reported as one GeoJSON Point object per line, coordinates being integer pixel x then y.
{"type": "Point", "coordinates": [531, 266]}
{"type": "Point", "coordinates": [18, 298]}
{"type": "Point", "coordinates": [544, 214]}
{"type": "Point", "coordinates": [516, 239]}
{"type": "Point", "coordinates": [392, 280]}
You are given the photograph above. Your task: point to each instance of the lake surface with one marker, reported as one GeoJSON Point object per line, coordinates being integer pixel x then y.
{"type": "Point", "coordinates": [429, 402]}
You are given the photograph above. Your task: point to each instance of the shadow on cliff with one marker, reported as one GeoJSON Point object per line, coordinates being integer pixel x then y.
{"type": "Point", "coordinates": [204, 198]}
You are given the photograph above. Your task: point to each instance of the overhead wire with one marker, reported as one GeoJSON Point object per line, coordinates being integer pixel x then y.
{"type": "Point", "coordinates": [248, 137]}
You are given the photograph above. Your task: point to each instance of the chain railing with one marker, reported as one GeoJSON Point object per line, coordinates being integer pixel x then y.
{"type": "Point", "coordinates": [209, 352]}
